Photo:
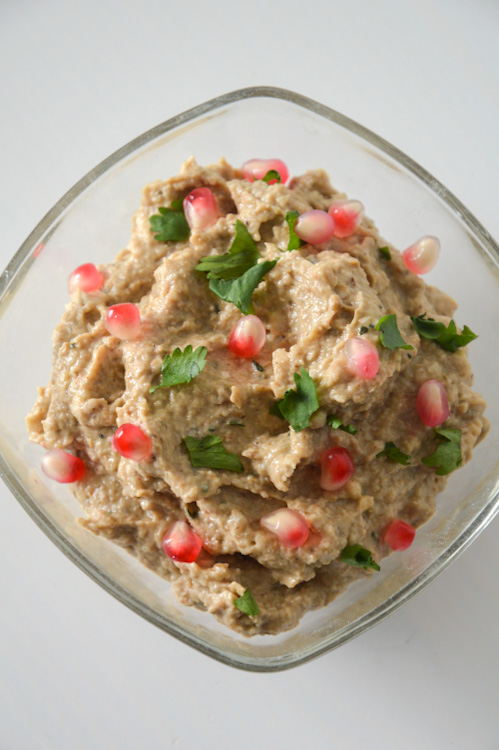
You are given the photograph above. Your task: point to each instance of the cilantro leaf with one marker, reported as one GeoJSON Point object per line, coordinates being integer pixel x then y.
{"type": "Point", "coordinates": [359, 557]}
{"type": "Point", "coordinates": [243, 254]}
{"type": "Point", "coordinates": [210, 453]}
{"type": "Point", "coordinates": [239, 291]}
{"type": "Point", "coordinates": [390, 334]}
{"type": "Point", "coordinates": [247, 604]}
{"type": "Point", "coordinates": [337, 424]}
{"type": "Point", "coordinates": [428, 328]}
{"type": "Point", "coordinates": [170, 225]}
{"type": "Point", "coordinates": [447, 455]}
{"type": "Point", "coordinates": [272, 174]}
{"type": "Point", "coordinates": [385, 252]}
{"type": "Point", "coordinates": [181, 366]}
{"type": "Point", "coordinates": [394, 454]}
{"type": "Point", "coordinates": [294, 241]}
{"type": "Point", "coordinates": [298, 406]}
{"type": "Point", "coordinates": [445, 336]}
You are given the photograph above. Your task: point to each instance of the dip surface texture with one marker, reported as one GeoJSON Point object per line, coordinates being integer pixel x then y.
{"type": "Point", "coordinates": [311, 303]}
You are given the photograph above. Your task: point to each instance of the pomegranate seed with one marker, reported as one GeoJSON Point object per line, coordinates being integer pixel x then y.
{"type": "Point", "coordinates": [288, 525]}
{"type": "Point", "coordinates": [247, 337]}
{"type": "Point", "coordinates": [314, 227]}
{"type": "Point", "coordinates": [347, 216]}
{"type": "Point", "coordinates": [336, 468]}
{"type": "Point", "coordinates": [200, 208]}
{"type": "Point", "coordinates": [363, 358]}
{"type": "Point", "coordinates": [256, 169]}
{"type": "Point", "coordinates": [62, 466]}
{"type": "Point", "coordinates": [132, 442]}
{"type": "Point", "coordinates": [422, 256]}
{"type": "Point", "coordinates": [123, 320]}
{"type": "Point", "coordinates": [87, 278]}
{"type": "Point", "coordinates": [432, 403]}
{"type": "Point", "coordinates": [399, 534]}
{"type": "Point", "coordinates": [181, 542]}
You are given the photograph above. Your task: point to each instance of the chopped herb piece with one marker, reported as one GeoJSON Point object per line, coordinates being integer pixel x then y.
{"type": "Point", "coordinates": [298, 406]}
{"type": "Point", "coordinates": [447, 455]}
{"type": "Point", "coordinates": [170, 225]}
{"type": "Point", "coordinates": [390, 334]}
{"type": "Point", "coordinates": [243, 254]}
{"type": "Point", "coordinates": [337, 424]}
{"type": "Point", "coordinates": [294, 241]}
{"type": "Point", "coordinates": [359, 557]}
{"type": "Point", "coordinates": [181, 366]}
{"type": "Point", "coordinates": [272, 174]}
{"type": "Point", "coordinates": [428, 328]}
{"type": "Point", "coordinates": [210, 453]}
{"type": "Point", "coordinates": [258, 366]}
{"type": "Point", "coordinates": [200, 605]}
{"type": "Point", "coordinates": [445, 336]}
{"type": "Point", "coordinates": [192, 508]}
{"type": "Point", "coordinates": [247, 604]}
{"type": "Point", "coordinates": [233, 423]}
{"type": "Point", "coordinates": [385, 252]}
{"type": "Point", "coordinates": [362, 330]}
{"type": "Point", "coordinates": [239, 291]}
{"type": "Point", "coordinates": [394, 454]}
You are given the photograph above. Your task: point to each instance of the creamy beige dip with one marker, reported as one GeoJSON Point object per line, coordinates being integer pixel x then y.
{"type": "Point", "coordinates": [311, 303]}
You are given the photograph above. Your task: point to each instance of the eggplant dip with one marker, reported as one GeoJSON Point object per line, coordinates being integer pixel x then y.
{"type": "Point", "coordinates": [260, 398]}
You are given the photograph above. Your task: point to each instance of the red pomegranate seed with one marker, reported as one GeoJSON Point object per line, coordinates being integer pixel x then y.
{"type": "Point", "coordinates": [256, 169]}
{"type": "Point", "coordinates": [432, 403]}
{"type": "Point", "coordinates": [422, 256]}
{"type": "Point", "coordinates": [62, 466]}
{"type": "Point", "coordinates": [181, 542]}
{"type": "Point", "coordinates": [132, 442]}
{"type": "Point", "coordinates": [123, 320]}
{"type": "Point", "coordinates": [314, 227]}
{"type": "Point", "coordinates": [347, 216]}
{"type": "Point", "coordinates": [336, 468]}
{"type": "Point", "coordinates": [363, 358]}
{"type": "Point", "coordinates": [288, 525]}
{"type": "Point", "coordinates": [399, 534]}
{"type": "Point", "coordinates": [200, 208]}
{"type": "Point", "coordinates": [247, 337]}
{"type": "Point", "coordinates": [87, 278]}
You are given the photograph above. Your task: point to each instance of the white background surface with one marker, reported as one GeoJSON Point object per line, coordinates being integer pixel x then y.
{"type": "Point", "coordinates": [77, 669]}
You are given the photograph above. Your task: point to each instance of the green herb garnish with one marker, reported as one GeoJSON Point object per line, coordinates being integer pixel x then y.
{"type": "Point", "coordinates": [181, 366]}
{"type": "Point", "coordinates": [170, 225]}
{"type": "Point", "coordinates": [445, 336]}
{"type": "Point", "coordinates": [390, 334]}
{"type": "Point", "coordinates": [447, 456]}
{"type": "Point", "coordinates": [298, 406]}
{"type": "Point", "coordinates": [394, 454]}
{"type": "Point", "coordinates": [258, 366]}
{"type": "Point", "coordinates": [362, 330]}
{"type": "Point", "coordinates": [239, 291]}
{"type": "Point", "coordinates": [243, 254]}
{"type": "Point", "coordinates": [210, 453]}
{"type": "Point", "coordinates": [272, 174]}
{"type": "Point", "coordinates": [247, 604]}
{"type": "Point", "coordinates": [385, 252]}
{"type": "Point", "coordinates": [337, 424]}
{"type": "Point", "coordinates": [359, 557]}
{"type": "Point", "coordinates": [294, 241]}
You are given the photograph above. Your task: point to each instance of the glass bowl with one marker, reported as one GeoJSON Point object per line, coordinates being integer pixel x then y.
{"type": "Point", "coordinates": [91, 223]}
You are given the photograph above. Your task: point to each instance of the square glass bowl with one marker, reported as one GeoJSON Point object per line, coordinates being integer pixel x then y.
{"type": "Point", "coordinates": [91, 223]}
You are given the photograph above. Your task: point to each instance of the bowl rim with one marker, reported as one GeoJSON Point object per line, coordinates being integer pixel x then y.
{"type": "Point", "coordinates": [23, 256]}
